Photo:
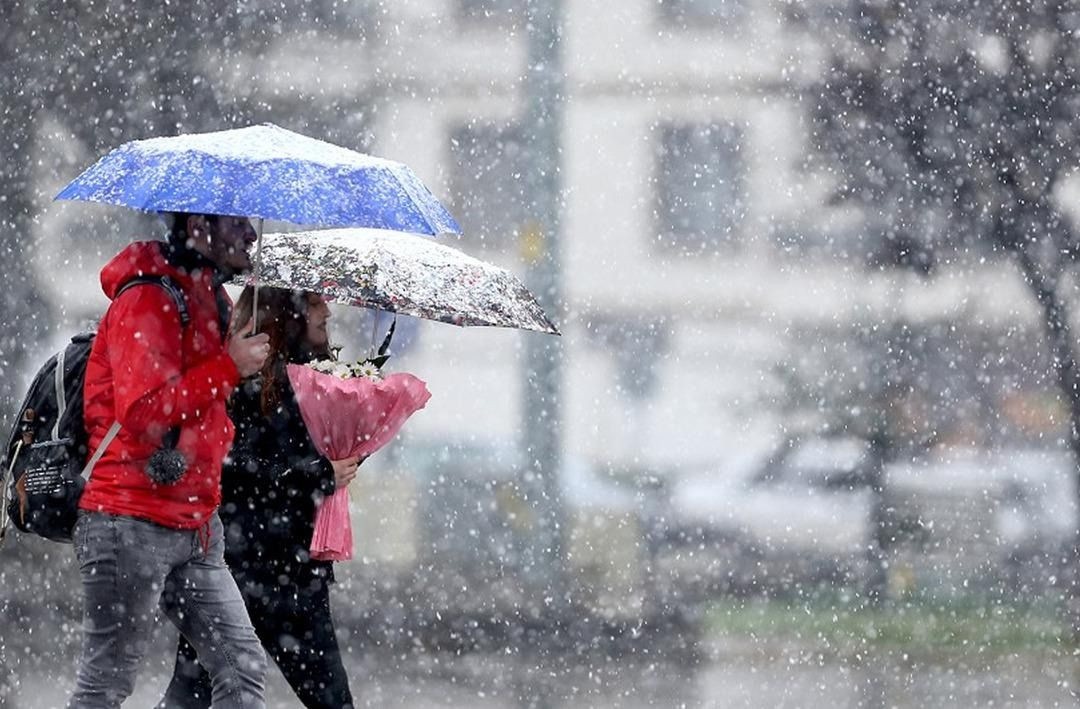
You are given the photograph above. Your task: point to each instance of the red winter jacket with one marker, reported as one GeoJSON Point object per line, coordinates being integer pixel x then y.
{"type": "Point", "coordinates": [150, 373]}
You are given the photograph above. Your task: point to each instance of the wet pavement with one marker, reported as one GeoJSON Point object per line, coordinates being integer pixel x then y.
{"type": "Point", "coordinates": [731, 673]}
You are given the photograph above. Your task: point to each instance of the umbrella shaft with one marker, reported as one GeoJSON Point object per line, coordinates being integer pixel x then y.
{"type": "Point", "coordinates": [255, 281]}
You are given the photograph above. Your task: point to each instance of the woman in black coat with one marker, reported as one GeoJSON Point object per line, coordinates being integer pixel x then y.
{"type": "Point", "coordinates": [272, 482]}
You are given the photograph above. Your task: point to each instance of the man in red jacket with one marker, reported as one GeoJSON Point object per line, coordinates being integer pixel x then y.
{"type": "Point", "coordinates": [164, 384]}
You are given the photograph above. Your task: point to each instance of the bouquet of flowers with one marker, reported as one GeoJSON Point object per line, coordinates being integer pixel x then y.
{"type": "Point", "coordinates": [350, 409]}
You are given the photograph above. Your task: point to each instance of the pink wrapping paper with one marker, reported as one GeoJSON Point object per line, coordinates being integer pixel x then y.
{"type": "Point", "coordinates": [350, 417]}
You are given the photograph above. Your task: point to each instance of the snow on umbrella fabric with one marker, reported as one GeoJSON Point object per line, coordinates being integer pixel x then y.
{"type": "Point", "coordinates": [400, 273]}
{"type": "Point", "coordinates": [263, 172]}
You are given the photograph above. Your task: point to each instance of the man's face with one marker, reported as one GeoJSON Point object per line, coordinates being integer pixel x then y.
{"type": "Point", "coordinates": [225, 241]}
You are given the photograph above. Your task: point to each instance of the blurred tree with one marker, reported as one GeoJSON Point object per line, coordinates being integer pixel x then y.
{"type": "Point", "coordinates": [81, 63]}
{"type": "Point", "coordinates": [953, 126]}
{"type": "Point", "coordinates": [864, 383]}
{"type": "Point", "coordinates": [21, 43]}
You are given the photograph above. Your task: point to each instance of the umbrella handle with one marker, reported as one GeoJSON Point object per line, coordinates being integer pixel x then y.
{"type": "Point", "coordinates": [386, 340]}
{"type": "Point", "coordinates": [374, 329]}
{"type": "Point", "coordinates": [255, 280]}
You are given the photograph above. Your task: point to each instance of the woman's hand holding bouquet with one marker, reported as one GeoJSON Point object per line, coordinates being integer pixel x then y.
{"type": "Point", "coordinates": [345, 470]}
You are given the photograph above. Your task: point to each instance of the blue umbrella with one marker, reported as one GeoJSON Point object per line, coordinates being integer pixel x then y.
{"type": "Point", "coordinates": [265, 172]}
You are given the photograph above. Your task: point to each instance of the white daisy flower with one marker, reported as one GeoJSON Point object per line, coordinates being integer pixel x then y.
{"type": "Point", "coordinates": [369, 370]}
{"type": "Point", "coordinates": [322, 365]}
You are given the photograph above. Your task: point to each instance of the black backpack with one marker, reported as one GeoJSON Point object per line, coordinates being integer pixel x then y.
{"type": "Point", "coordinates": [46, 452]}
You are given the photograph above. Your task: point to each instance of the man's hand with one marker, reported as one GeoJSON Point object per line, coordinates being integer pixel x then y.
{"type": "Point", "coordinates": [344, 470]}
{"type": "Point", "coordinates": [249, 352]}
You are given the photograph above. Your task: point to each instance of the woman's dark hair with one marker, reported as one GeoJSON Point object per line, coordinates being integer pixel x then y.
{"type": "Point", "coordinates": [282, 316]}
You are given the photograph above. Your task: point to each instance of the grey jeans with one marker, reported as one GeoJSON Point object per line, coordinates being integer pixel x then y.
{"type": "Point", "coordinates": [128, 565]}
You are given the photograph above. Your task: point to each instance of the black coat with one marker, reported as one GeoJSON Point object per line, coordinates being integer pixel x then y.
{"type": "Point", "coordinates": [271, 483]}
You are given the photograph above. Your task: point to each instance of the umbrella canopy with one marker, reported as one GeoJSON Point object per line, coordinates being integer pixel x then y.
{"type": "Point", "coordinates": [263, 171]}
{"type": "Point", "coordinates": [401, 273]}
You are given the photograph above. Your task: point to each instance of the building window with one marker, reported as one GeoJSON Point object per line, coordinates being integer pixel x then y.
{"type": "Point", "coordinates": [487, 180]}
{"type": "Point", "coordinates": [700, 199]}
{"type": "Point", "coordinates": [690, 14]}
{"type": "Point", "coordinates": [501, 12]}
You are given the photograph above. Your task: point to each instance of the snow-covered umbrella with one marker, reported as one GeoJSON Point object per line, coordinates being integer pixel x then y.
{"type": "Point", "coordinates": [263, 172]}
{"type": "Point", "coordinates": [400, 273]}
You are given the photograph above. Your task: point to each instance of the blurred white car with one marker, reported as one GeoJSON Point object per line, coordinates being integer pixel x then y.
{"type": "Point", "coordinates": [800, 511]}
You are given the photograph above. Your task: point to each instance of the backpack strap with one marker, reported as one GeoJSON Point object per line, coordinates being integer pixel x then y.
{"type": "Point", "coordinates": [4, 494]}
{"type": "Point", "coordinates": [61, 396]}
{"type": "Point", "coordinates": [170, 286]}
{"type": "Point", "coordinates": [100, 450]}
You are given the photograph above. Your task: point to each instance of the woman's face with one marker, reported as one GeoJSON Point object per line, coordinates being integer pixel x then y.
{"type": "Point", "coordinates": [318, 315]}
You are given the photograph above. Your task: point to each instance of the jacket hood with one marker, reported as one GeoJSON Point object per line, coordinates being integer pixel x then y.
{"type": "Point", "coordinates": [143, 258]}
